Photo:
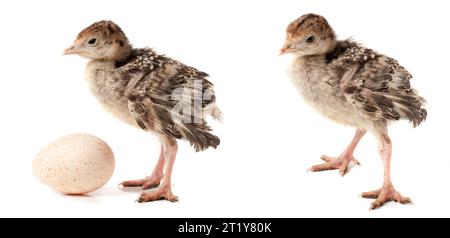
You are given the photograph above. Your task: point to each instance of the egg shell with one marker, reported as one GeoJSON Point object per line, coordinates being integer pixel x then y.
{"type": "Point", "coordinates": [75, 164]}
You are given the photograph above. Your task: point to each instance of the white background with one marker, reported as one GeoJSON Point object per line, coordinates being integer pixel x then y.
{"type": "Point", "coordinates": [269, 137]}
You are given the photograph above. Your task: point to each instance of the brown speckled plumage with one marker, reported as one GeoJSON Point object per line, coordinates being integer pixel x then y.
{"type": "Point", "coordinates": [152, 92]}
{"type": "Point", "coordinates": [146, 81]}
{"type": "Point", "coordinates": [354, 86]}
{"type": "Point", "coordinates": [152, 80]}
{"type": "Point", "coordinates": [369, 85]}
{"type": "Point", "coordinates": [379, 88]}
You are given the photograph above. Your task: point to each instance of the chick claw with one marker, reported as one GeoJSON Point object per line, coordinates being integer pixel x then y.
{"type": "Point", "coordinates": [161, 193]}
{"type": "Point", "coordinates": [331, 163]}
{"type": "Point", "coordinates": [385, 194]}
{"type": "Point", "coordinates": [146, 183]}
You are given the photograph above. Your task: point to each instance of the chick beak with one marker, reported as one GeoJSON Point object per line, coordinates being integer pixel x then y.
{"type": "Point", "coordinates": [287, 48]}
{"type": "Point", "coordinates": [71, 50]}
{"type": "Point", "coordinates": [283, 51]}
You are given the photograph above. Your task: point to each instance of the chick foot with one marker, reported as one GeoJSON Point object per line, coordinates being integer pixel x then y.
{"type": "Point", "coordinates": [160, 193]}
{"type": "Point", "coordinates": [340, 163]}
{"type": "Point", "coordinates": [385, 194]}
{"type": "Point", "coordinates": [146, 183]}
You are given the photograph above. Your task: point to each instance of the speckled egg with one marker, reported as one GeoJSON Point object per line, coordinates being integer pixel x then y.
{"type": "Point", "coordinates": [75, 164]}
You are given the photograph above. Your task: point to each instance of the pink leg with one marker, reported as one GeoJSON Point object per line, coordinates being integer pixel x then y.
{"type": "Point", "coordinates": [164, 191]}
{"type": "Point", "coordinates": [152, 181]}
{"type": "Point", "coordinates": [387, 192]}
{"type": "Point", "coordinates": [343, 160]}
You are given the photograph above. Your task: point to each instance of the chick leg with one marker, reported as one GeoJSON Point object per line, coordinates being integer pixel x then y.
{"type": "Point", "coordinates": [387, 192]}
{"type": "Point", "coordinates": [153, 180]}
{"type": "Point", "coordinates": [164, 191]}
{"type": "Point", "coordinates": [343, 160]}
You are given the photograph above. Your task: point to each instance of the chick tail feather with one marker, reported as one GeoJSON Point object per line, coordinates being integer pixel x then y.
{"type": "Point", "coordinates": [198, 136]}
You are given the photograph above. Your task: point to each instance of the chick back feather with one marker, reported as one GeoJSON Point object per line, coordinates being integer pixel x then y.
{"type": "Point", "coordinates": [169, 97]}
{"type": "Point", "coordinates": [377, 86]}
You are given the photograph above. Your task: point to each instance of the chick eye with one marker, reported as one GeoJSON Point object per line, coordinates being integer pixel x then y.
{"type": "Point", "coordinates": [310, 39]}
{"type": "Point", "coordinates": [92, 42]}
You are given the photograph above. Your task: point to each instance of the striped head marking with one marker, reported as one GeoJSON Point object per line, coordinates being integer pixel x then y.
{"type": "Point", "coordinates": [101, 40]}
{"type": "Point", "coordinates": [310, 34]}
